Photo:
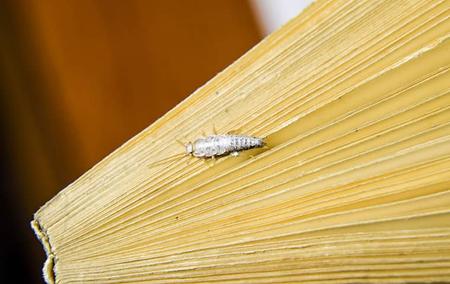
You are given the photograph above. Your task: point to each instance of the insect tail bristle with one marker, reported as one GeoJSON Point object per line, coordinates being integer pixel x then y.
{"type": "Point", "coordinates": [264, 144]}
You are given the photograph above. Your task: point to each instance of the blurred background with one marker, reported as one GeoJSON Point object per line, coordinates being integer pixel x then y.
{"type": "Point", "coordinates": [80, 77]}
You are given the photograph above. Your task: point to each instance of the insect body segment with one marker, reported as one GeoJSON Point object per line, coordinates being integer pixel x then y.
{"type": "Point", "coordinates": [221, 145]}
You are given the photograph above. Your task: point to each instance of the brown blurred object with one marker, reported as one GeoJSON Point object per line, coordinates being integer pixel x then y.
{"type": "Point", "coordinates": [79, 78]}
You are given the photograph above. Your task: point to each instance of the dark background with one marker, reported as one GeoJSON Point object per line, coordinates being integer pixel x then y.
{"type": "Point", "coordinates": [80, 77]}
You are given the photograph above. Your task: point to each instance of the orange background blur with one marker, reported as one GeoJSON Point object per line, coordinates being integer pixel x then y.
{"type": "Point", "coordinates": [80, 77]}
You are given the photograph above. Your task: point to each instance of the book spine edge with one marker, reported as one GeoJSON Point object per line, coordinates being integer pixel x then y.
{"type": "Point", "coordinates": [48, 270]}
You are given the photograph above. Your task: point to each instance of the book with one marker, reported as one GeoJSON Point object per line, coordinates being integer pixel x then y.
{"type": "Point", "coordinates": [352, 100]}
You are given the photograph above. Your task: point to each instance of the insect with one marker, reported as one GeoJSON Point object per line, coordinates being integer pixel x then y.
{"type": "Point", "coordinates": [222, 145]}
{"type": "Point", "coordinates": [214, 146]}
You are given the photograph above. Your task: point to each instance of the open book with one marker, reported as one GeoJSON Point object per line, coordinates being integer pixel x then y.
{"type": "Point", "coordinates": [352, 99]}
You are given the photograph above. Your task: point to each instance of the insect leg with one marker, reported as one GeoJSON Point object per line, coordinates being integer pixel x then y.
{"type": "Point", "coordinates": [234, 154]}
{"type": "Point", "coordinates": [235, 131]}
{"type": "Point", "coordinates": [206, 162]}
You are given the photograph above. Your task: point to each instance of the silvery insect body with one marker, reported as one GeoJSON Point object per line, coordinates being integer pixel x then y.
{"type": "Point", "coordinates": [215, 146]}
{"type": "Point", "coordinates": [221, 145]}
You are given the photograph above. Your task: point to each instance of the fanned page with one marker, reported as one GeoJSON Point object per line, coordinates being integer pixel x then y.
{"type": "Point", "coordinates": [352, 99]}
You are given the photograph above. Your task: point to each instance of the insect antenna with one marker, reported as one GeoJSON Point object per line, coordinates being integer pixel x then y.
{"type": "Point", "coordinates": [167, 160]}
